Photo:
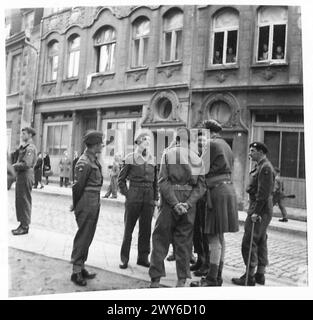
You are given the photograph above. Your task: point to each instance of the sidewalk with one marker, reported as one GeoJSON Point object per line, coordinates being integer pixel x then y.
{"type": "Point", "coordinates": [106, 256]}
{"type": "Point", "coordinates": [298, 227]}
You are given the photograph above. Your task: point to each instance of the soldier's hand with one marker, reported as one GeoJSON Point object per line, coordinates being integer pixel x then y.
{"type": "Point", "coordinates": [180, 209]}
{"type": "Point", "coordinates": [157, 203]}
{"type": "Point", "coordinates": [255, 218]}
{"type": "Point", "coordinates": [186, 205]}
{"type": "Point", "coordinates": [71, 207]}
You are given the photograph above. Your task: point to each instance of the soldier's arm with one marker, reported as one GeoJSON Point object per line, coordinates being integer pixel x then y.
{"type": "Point", "coordinates": [197, 191]}
{"type": "Point", "coordinates": [155, 184]}
{"type": "Point", "coordinates": [165, 185]}
{"type": "Point", "coordinates": [122, 179]}
{"type": "Point", "coordinates": [28, 160]}
{"type": "Point", "coordinates": [82, 172]}
{"type": "Point", "coordinates": [265, 184]}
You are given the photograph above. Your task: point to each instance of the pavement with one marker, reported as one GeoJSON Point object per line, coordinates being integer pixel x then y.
{"type": "Point", "coordinates": [53, 228]}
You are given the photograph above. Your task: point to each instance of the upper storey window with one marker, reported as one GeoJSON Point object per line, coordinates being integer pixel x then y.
{"type": "Point", "coordinates": [272, 29]}
{"type": "Point", "coordinates": [141, 32]}
{"type": "Point", "coordinates": [225, 37]}
{"type": "Point", "coordinates": [53, 61]}
{"type": "Point", "coordinates": [105, 44]}
{"type": "Point", "coordinates": [73, 56]}
{"type": "Point", "coordinates": [172, 35]}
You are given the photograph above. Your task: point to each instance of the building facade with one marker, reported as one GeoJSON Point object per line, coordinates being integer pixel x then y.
{"type": "Point", "coordinates": [119, 69]}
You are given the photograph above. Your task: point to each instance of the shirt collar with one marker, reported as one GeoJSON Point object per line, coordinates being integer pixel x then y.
{"type": "Point", "coordinates": [91, 155]}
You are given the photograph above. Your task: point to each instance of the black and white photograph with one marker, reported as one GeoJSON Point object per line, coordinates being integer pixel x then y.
{"type": "Point", "coordinates": [155, 147]}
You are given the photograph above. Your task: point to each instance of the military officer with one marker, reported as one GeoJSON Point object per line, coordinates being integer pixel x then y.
{"type": "Point", "coordinates": [181, 183]}
{"type": "Point", "coordinates": [141, 197]}
{"type": "Point", "coordinates": [260, 212]}
{"type": "Point", "coordinates": [221, 214]}
{"type": "Point", "coordinates": [86, 203]}
{"type": "Point", "coordinates": [24, 180]}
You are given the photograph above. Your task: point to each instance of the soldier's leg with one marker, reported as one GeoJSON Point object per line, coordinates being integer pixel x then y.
{"type": "Point", "coordinates": [262, 244]}
{"type": "Point", "coordinates": [245, 245]}
{"type": "Point", "coordinates": [182, 236]}
{"type": "Point", "coordinates": [23, 199]}
{"type": "Point", "coordinates": [86, 217]}
{"type": "Point", "coordinates": [282, 208]}
{"type": "Point", "coordinates": [161, 238]}
{"type": "Point", "coordinates": [114, 187]}
{"type": "Point", "coordinates": [130, 218]}
{"type": "Point", "coordinates": [144, 234]}
{"type": "Point", "coordinates": [109, 191]}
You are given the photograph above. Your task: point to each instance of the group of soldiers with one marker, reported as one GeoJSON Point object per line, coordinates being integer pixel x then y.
{"type": "Point", "coordinates": [195, 196]}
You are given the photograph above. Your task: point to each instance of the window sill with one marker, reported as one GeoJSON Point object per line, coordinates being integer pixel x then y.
{"type": "Point", "coordinates": [269, 64]}
{"type": "Point", "coordinates": [103, 74]}
{"type": "Point", "coordinates": [48, 83]}
{"type": "Point", "coordinates": [222, 67]}
{"type": "Point", "coordinates": [13, 94]}
{"type": "Point", "coordinates": [170, 64]}
{"type": "Point", "coordinates": [137, 69]}
{"type": "Point", "coordinates": [70, 79]}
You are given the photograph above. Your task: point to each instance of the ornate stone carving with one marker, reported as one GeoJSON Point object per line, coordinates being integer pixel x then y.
{"type": "Point", "coordinates": [168, 71]}
{"type": "Point", "coordinates": [152, 110]}
{"type": "Point", "coordinates": [221, 76]}
{"type": "Point", "coordinates": [137, 74]}
{"type": "Point", "coordinates": [268, 74]}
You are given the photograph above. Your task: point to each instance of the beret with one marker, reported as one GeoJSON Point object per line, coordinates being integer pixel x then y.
{"type": "Point", "coordinates": [212, 125]}
{"type": "Point", "coordinates": [93, 137]}
{"type": "Point", "coordinates": [30, 130]}
{"type": "Point", "coordinates": [139, 137]}
{"type": "Point", "coordinates": [259, 146]}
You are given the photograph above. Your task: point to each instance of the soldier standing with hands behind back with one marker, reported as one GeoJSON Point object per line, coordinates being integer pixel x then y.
{"type": "Point", "coordinates": [260, 212]}
{"type": "Point", "coordinates": [24, 180]}
{"type": "Point", "coordinates": [86, 204]}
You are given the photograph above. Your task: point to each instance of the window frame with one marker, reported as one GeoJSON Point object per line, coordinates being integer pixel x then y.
{"type": "Point", "coordinates": [11, 91]}
{"type": "Point", "coordinates": [111, 44]}
{"type": "Point", "coordinates": [225, 31]}
{"type": "Point", "coordinates": [271, 36]}
{"type": "Point", "coordinates": [173, 32]}
{"type": "Point", "coordinates": [70, 39]}
{"type": "Point", "coordinates": [142, 38]}
{"type": "Point", "coordinates": [49, 63]}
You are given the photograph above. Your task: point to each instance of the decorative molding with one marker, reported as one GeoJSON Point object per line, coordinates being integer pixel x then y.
{"type": "Point", "coordinates": [152, 116]}
{"type": "Point", "coordinates": [235, 122]}
{"type": "Point", "coordinates": [136, 74]}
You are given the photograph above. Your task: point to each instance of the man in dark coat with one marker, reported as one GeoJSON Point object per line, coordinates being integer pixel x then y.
{"type": "Point", "coordinates": [260, 212]}
{"type": "Point", "coordinates": [221, 202]}
{"type": "Point", "coordinates": [181, 183]}
{"type": "Point", "coordinates": [75, 159]}
{"type": "Point", "coordinates": [24, 180]}
{"type": "Point", "coordinates": [86, 204]}
{"type": "Point", "coordinates": [141, 198]}
{"type": "Point", "coordinates": [46, 166]}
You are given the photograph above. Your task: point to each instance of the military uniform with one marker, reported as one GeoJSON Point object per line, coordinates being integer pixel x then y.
{"type": "Point", "coordinates": [260, 188]}
{"type": "Point", "coordinates": [181, 180]}
{"type": "Point", "coordinates": [86, 205]}
{"type": "Point", "coordinates": [24, 182]}
{"type": "Point", "coordinates": [140, 200]}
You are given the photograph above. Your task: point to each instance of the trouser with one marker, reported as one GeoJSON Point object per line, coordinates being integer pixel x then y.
{"type": "Point", "coordinates": [259, 254]}
{"type": "Point", "coordinates": [169, 226]}
{"type": "Point", "coordinates": [23, 198]}
{"type": "Point", "coordinates": [200, 246]}
{"type": "Point", "coordinates": [66, 181]}
{"type": "Point", "coordinates": [134, 211]}
{"type": "Point", "coordinates": [38, 175]}
{"type": "Point", "coordinates": [281, 204]}
{"type": "Point", "coordinates": [86, 214]}
{"type": "Point", "coordinates": [112, 187]}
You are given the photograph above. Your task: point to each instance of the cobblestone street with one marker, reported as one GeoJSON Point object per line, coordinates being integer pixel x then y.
{"type": "Point", "coordinates": [287, 253]}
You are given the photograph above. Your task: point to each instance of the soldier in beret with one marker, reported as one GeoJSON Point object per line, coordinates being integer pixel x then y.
{"type": "Point", "coordinates": [26, 159]}
{"type": "Point", "coordinates": [221, 212]}
{"type": "Point", "coordinates": [141, 198]}
{"type": "Point", "coordinates": [86, 203]}
{"type": "Point", "coordinates": [260, 188]}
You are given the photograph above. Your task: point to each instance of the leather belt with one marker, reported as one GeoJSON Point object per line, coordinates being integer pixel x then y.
{"type": "Point", "coordinates": [218, 184]}
{"type": "Point", "coordinates": [140, 184]}
{"type": "Point", "coordinates": [93, 189]}
{"type": "Point", "coordinates": [182, 187]}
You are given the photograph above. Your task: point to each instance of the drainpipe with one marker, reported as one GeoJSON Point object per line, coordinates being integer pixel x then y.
{"type": "Point", "coordinates": [36, 71]}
